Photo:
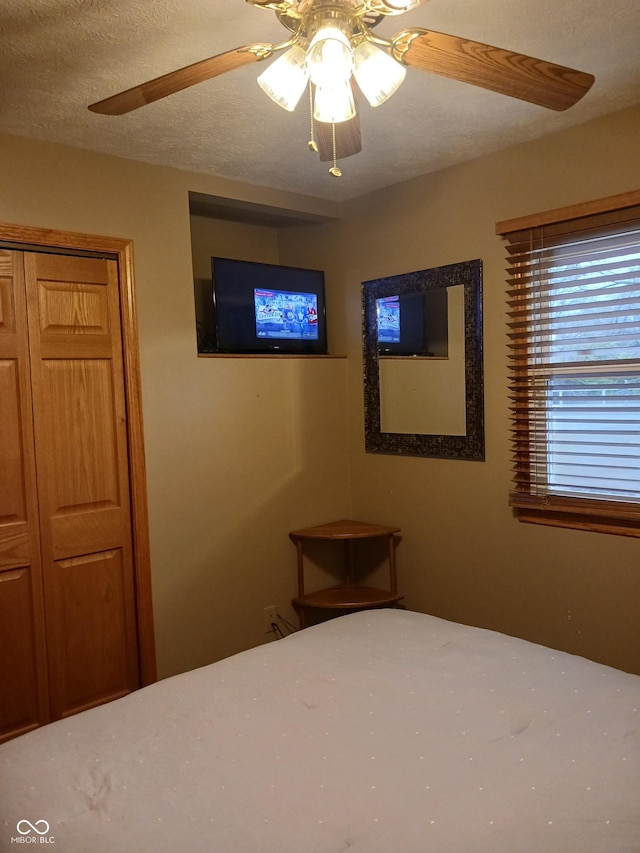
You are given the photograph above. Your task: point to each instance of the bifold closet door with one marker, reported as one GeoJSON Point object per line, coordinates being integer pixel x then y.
{"type": "Point", "coordinates": [23, 672]}
{"type": "Point", "coordinates": [81, 457]}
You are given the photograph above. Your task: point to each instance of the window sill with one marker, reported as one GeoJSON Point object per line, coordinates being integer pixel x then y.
{"type": "Point", "coordinates": [622, 519]}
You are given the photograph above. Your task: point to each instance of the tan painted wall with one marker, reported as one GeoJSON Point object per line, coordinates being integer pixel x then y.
{"type": "Point", "coordinates": [463, 556]}
{"type": "Point", "coordinates": [239, 452]}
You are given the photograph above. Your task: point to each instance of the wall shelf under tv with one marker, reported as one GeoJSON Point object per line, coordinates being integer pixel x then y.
{"type": "Point", "coordinates": [277, 356]}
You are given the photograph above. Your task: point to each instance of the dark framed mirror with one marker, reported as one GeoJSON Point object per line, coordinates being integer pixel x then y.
{"type": "Point", "coordinates": [423, 371]}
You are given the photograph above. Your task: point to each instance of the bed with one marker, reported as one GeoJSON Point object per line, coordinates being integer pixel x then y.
{"type": "Point", "coordinates": [376, 732]}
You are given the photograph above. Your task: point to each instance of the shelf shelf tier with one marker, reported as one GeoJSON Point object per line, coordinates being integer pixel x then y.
{"type": "Point", "coordinates": [344, 529]}
{"type": "Point", "coordinates": [347, 595]}
{"type": "Point", "coordinates": [343, 597]}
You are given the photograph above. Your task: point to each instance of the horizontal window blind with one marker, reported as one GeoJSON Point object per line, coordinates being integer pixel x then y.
{"type": "Point", "coordinates": [574, 338]}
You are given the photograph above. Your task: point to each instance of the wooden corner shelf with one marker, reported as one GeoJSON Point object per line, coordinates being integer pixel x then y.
{"type": "Point", "coordinates": [348, 595]}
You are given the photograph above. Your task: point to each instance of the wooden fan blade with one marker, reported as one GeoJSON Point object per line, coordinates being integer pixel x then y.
{"type": "Point", "coordinates": [348, 139]}
{"type": "Point", "coordinates": [502, 71]}
{"type": "Point", "coordinates": [176, 81]}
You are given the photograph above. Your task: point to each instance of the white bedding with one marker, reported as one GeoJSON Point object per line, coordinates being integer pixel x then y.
{"type": "Point", "coordinates": [381, 732]}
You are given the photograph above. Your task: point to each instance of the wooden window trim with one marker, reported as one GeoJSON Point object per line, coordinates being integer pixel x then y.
{"type": "Point", "coordinates": [605, 516]}
{"type": "Point", "coordinates": [565, 214]}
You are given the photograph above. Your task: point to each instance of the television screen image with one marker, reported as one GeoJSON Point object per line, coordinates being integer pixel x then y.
{"type": "Point", "coordinates": [388, 313]}
{"type": "Point", "coordinates": [284, 314]}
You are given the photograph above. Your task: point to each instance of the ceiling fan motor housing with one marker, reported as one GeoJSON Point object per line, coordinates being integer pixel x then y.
{"type": "Point", "coordinates": [306, 16]}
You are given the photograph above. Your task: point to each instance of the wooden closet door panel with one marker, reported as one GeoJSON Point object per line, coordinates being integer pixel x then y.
{"type": "Point", "coordinates": [23, 677]}
{"type": "Point", "coordinates": [90, 631]}
{"type": "Point", "coordinates": [14, 523]}
{"type": "Point", "coordinates": [85, 493]}
{"type": "Point", "coordinates": [23, 696]}
{"type": "Point", "coordinates": [83, 482]}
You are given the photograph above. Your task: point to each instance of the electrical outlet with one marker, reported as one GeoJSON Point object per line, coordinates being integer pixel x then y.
{"type": "Point", "coordinates": [270, 615]}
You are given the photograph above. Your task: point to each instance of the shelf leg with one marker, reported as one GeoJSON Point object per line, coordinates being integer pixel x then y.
{"type": "Point", "coordinates": [349, 561]}
{"type": "Point", "coordinates": [300, 568]}
{"type": "Point", "coordinates": [392, 565]}
{"type": "Point", "coordinates": [300, 555]}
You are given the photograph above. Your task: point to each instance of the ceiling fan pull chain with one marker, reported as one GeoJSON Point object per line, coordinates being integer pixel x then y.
{"type": "Point", "coordinates": [335, 169]}
{"type": "Point", "coordinates": [313, 146]}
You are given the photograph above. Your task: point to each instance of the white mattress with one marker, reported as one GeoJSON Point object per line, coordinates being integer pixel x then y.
{"type": "Point", "coordinates": [381, 732]}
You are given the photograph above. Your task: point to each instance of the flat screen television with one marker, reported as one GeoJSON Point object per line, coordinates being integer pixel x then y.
{"type": "Point", "coordinates": [263, 308]}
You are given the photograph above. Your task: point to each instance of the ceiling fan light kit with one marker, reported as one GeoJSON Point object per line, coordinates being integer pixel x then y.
{"type": "Point", "coordinates": [386, 8]}
{"type": "Point", "coordinates": [285, 79]}
{"type": "Point", "coordinates": [334, 104]}
{"type": "Point", "coordinates": [377, 74]}
{"type": "Point", "coordinates": [332, 44]}
{"type": "Point", "coordinates": [329, 58]}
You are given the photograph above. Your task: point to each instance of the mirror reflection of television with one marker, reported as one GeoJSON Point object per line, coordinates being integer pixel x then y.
{"type": "Point", "coordinates": [388, 315]}
{"type": "Point", "coordinates": [414, 324]}
{"type": "Point", "coordinates": [263, 308]}
{"type": "Point", "coordinates": [401, 325]}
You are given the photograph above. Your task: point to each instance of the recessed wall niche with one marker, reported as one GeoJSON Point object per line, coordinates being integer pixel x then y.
{"type": "Point", "coordinates": [242, 230]}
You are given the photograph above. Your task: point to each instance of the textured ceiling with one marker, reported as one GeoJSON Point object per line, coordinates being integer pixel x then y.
{"type": "Point", "coordinates": [58, 56]}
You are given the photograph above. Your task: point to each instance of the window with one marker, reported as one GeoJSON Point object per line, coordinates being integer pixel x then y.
{"type": "Point", "coordinates": [574, 335]}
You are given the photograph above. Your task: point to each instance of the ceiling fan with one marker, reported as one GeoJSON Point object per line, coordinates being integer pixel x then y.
{"type": "Point", "coordinates": [331, 43]}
